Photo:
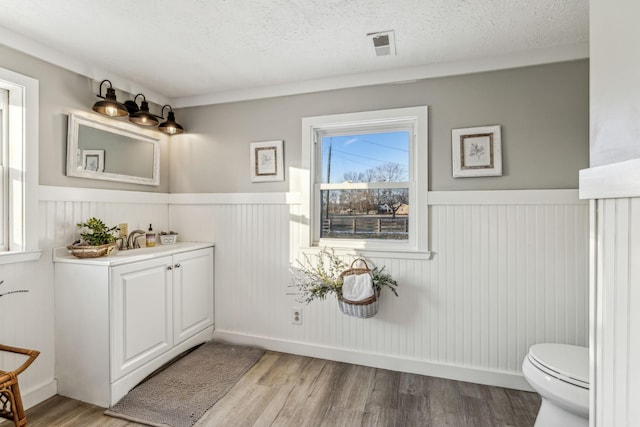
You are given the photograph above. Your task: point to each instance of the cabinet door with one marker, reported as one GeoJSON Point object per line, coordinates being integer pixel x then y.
{"type": "Point", "coordinates": [141, 314]}
{"type": "Point", "coordinates": [192, 293]}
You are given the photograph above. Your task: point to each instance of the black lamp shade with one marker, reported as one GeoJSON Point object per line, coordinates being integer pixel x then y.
{"type": "Point", "coordinates": [143, 117]}
{"type": "Point", "coordinates": [132, 107]}
{"type": "Point", "coordinates": [170, 126]}
{"type": "Point", "coordinates": [110, 106]}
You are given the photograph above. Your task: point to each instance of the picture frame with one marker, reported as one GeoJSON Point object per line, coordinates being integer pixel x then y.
{"type": "Point", "coordinates": [93, 160]}
{"type": "Point", "coordinates": [267, 161]}
{"type": "Point", "coordinates": [476, 151]}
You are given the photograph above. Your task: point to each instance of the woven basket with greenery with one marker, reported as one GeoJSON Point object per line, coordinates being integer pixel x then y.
{"type": "Point", "coordinates": [96, 239]}
{"type": "Point", "coordinates": [364, 308]}
{"type": "Point", "coordinates": [324, 275]}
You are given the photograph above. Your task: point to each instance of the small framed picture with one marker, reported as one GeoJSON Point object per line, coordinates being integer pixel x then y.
{"type": "Point", "coordinates": [93, 160]}
{"type": "Point", "coordinates": [267, 161]}
{"type": "Point", "coordinates": [476, 151]}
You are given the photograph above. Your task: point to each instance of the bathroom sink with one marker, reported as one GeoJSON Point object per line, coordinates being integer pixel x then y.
{"type": "Point", "coordinates": [155, 251]}
{"type": "Point", "coordinates": [140, 251]}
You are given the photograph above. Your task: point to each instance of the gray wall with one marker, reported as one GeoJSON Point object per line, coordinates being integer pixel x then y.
{"type": "Point", "coordinates": [61, 90]}
{"type": "Point", "coordinates": [543, 110]}
{"type": "Point", "coordinates": [615, 92]}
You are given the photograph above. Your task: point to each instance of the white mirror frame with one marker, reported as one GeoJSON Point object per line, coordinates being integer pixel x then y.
{"type": "Point", "coordinates": [74, 164]}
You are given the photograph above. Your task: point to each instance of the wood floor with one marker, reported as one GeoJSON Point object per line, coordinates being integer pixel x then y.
{"type": "Point", "coordinates": [287, 390]}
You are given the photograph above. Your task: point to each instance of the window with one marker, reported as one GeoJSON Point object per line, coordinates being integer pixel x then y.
{"type": "Point", "coordinates": [368, 180]}
{"type": "Point", "coordinates": [364, 184]}
{"type": "Point", "coordinates": [19, 167]}
{"type": "Point", "coordinates": [4, 170]}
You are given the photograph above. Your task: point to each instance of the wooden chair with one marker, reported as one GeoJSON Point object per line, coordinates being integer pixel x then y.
{"type": "Point", "coordinates": [10, 398]}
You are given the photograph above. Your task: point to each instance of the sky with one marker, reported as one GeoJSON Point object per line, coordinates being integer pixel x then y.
{"type": "Point", "coordinates": [357, 153]}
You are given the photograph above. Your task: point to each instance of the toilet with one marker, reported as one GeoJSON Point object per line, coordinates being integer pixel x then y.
{"type": "Point", "coordinates": [560, 374]}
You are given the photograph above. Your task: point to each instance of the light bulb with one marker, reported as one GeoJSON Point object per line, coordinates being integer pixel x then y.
{"type": "Point", "coordinates": [111, 111]}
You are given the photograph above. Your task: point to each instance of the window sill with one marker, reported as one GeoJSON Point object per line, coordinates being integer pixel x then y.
{"type": "Point", "coordinates": [15, 257]}
{"type": "Point", "coordinates": [372, 253]}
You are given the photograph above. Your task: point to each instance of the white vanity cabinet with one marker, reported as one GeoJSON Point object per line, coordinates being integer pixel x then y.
{"type": "Point", "coordinates": [192, 293]}
{"type": "Point", "coordinates": [119, 318]}
{"type": "Point", "coordinates": [141, 325]}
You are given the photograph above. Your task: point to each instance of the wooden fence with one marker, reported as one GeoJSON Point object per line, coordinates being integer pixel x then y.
{"type": "Point", "coordinates": [366, 226]}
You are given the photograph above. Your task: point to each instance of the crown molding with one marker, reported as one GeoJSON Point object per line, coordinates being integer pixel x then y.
{"type": "Point", "coordinates": [514, 60]}
{"type": "Point", "coordinates": [62, 60]}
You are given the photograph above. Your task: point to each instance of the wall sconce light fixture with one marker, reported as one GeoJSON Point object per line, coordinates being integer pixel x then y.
{"type": "Point", "coordinates": [142, 116]}
{"type": "Point", "coordinates": [170, 126]}
{"type": "Point", "coordinates": [138, 115]}
{"type": "Point", "coordinates": [110, 106]}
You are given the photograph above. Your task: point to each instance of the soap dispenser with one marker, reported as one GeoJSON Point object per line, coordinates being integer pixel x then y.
{"type": "Point", "coordinates": [151, 237]}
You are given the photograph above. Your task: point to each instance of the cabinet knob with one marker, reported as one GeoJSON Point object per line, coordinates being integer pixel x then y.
{"type": "Point", "coordinates": [170, 267]}
{"type": "Point", "coordinates": [177, 265]}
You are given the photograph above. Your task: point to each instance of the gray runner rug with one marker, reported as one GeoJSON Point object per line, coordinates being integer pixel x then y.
{"type": "Point", "coordinates": [181, 393]}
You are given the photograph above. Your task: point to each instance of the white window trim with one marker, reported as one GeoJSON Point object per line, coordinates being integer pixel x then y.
{"type": "Point", "coordinates": [23, 164]}
{"type": "Point", "coordinates": [4, 179]}
{"type": "Point", "coordinates": [417, 245]}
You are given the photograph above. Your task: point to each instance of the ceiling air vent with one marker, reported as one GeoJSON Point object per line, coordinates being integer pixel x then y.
{"type": "Point", "coordinates": [383, 43]}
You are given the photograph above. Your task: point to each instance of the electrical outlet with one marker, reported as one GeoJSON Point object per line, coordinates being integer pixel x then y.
{"type": "Point", "coordinates": [296, 316]}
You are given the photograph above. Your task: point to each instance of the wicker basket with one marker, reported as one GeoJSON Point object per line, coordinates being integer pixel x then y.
{"type": "Point", "coordinates": [362, 309]}
{"type": "Point", "coordinates": [86, 251]}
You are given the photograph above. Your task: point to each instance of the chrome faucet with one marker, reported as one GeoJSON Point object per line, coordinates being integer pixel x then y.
{"type": "Point", "coordinates": [132, 240]}
{"type": "Point", "coordinates": [122, 246]}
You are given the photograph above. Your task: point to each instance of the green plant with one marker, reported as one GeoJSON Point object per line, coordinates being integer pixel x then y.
{"type": "Point", "coordinates": [380, 279]}
{"type": "Point", "coordinates": [320, 277]}
{"type": "Point", "coordinates": [94, 232]}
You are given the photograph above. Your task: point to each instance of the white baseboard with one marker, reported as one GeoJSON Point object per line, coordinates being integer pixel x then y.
{"type": "Point", "coordinates": [32, 397]}
{"type": "Point", "coordinates": [383, 361]}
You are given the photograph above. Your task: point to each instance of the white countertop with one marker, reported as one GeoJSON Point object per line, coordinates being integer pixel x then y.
{"type": "Point", "coordinates": [131, 255]}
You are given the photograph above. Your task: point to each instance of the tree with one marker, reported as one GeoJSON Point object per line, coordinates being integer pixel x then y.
{"type": "Point", "coordinates": [361, 200]}
{"type": "Point", "coordinates": [392, 197]}
{"type": "Point", "coordinates": [366, 200]}
{"type": "Point", "coordinates": [391, 172]}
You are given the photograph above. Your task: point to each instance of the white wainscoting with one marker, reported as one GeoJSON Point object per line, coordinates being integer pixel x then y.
{"type": "Point", "coordinates": [27, 319]}
{"type": "Point", "coordinates": [615, 345]}
{"type": "Point", "coordinates": [509, 269]}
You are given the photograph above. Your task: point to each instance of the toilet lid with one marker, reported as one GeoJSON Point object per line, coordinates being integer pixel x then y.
{"type": "Point", "coordinates": [568, 363]}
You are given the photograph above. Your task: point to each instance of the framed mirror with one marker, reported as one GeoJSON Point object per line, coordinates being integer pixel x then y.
{"type": "Point", "coordinates": [112, 150]}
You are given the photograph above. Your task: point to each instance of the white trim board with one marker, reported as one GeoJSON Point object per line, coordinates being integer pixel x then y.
{"type": "Point", "coordinates": [382, 361]}
{"type": "Point", "coordinates": [505, 197]}
{"type": "Point", "coordinates": [615, 180]}
{"type": "Point", "coordinates": [409, 74]}
{"type": "Point", "coordinates": [491, 197]}
{"type": "Point", "coordinates": [13, 257]}
{"type": "Point", "coordinates": [31, 397]}
{"type": "Point", "coordinates": [23, 173]}
{"type": "Point", "coordinates": [77, 194]}
{"type": "Point", "coordinates": [234, 198]}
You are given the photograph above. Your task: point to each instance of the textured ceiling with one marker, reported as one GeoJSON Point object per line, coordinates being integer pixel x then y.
{"type": "Point", "coordinates": [192, 48]}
